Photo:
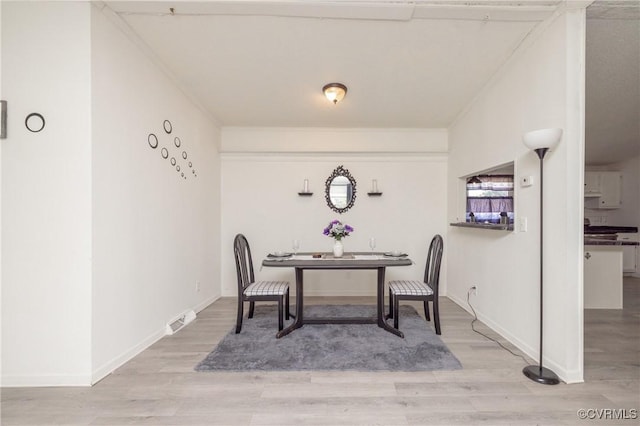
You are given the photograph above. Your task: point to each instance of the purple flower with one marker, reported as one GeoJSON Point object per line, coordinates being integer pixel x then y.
{"type": "Point", "coordinates": [337, 230]}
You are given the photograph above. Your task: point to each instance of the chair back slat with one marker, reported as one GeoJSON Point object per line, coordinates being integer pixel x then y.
{"type": "Point", "coordinates": [434, 259]}
{"type": "Point", "coordinates": [244, 262]}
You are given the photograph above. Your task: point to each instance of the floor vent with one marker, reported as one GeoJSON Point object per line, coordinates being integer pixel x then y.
{"type": "Point", "coordinates": [181, 321]}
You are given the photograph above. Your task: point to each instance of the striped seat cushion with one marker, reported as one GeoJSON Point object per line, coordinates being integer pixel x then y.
{"type": "Point", "coordinates": [267, 288]}
{"type": "Point", "coordinates": [410, 288]}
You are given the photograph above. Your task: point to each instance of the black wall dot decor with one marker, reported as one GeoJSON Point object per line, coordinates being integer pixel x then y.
{"type": "Point", "coordinates": [34, 122]}
{"type": "Point", "coordinates": [169, 151]}
{"type": "Point", "coordinates": [153, 140]}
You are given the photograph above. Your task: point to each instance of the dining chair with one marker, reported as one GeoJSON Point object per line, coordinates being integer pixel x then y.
{"type": "Point", "coordinates": [250, 290]}
{"type": "Point", "coordinates": [425, 290]}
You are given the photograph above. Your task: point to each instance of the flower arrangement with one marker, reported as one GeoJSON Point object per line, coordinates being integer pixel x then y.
{"type": "Point", "coordinates": [337, 230]}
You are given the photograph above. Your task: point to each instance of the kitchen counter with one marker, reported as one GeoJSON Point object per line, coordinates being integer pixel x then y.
{"type": "Point", "coordinates": [603, 277]}
{"type": "Point", "coordinates": [610, 229]}
{"type": "Point", "coordinates": [603, 242]}
{"type": "Point", "coordinates": [482, 225]}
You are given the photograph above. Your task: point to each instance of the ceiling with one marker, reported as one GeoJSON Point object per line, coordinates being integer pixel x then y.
{"type": "Point", "coordinates": [407, 64]}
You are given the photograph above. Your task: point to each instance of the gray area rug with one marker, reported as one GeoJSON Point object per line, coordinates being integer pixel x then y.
{"type": "Point", "coordinates": [330, 347]}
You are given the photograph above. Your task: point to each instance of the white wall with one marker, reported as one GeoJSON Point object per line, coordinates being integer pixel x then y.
{"type": "Point", "coordinates": [46, 195]}
{"type": "Point", "coordinates": [103, 240]}
{"type": "Point", "coordinates": [260, 200]}
{"type": "Point", "coordinates": [155, 234]}
{"type": "Point", "coordinates": [541, 86]}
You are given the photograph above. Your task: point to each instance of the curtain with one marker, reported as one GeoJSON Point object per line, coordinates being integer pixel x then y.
{"type": "Point", "coordinates": [490, 194]}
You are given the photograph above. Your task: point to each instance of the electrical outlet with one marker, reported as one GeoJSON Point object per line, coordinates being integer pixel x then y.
{"type": "Point", "coordinates": [197, 286]}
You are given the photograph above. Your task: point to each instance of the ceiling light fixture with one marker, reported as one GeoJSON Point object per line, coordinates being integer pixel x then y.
{"type": "Point", "coordinates": [335, 92]}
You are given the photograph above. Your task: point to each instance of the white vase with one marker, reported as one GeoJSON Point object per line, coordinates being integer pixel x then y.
{"type": "Point", "coordinates": [338, 249]}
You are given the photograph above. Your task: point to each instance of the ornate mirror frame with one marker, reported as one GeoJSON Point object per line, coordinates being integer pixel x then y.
{"type": "Point", "coordinates": [340, 171]}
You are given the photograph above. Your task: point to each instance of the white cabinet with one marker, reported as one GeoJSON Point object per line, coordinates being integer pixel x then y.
{"type": "Point", "coordinates": [629, 253]}
{"type": "Point", "coordinates": [592, 184]}
{"type": "Point", "coordinates": [603, 277]}
{"type": "Point", "coordinates": [611, 187]}
{"type": "Point", "coordinates": [606, 186]}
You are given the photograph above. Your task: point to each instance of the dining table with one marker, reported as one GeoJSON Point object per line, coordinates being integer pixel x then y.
{"type": "Point", "coordinates": [326, 261]}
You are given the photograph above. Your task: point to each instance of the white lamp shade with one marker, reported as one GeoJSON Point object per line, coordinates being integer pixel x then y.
{"type": "Point", "coordinates": [543, 138]}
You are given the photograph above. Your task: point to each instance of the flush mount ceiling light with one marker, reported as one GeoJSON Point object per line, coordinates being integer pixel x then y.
{"type": "Point", "coordinates": [335, 92]}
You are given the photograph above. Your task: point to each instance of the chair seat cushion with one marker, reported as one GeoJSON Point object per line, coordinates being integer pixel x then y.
{"type": "Point", "coordinates": [267, 288]}
{"type": "Point", "coordinates": [410, 288]}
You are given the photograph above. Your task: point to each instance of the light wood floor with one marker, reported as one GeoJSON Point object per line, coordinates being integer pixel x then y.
{"type": "Point", "coordinates": [159, 387]}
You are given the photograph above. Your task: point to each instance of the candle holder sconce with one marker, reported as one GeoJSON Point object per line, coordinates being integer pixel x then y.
{"type": "Point", "coordinates": [305, 189]}
{"type": "Point", "coordinates": [374, 189]}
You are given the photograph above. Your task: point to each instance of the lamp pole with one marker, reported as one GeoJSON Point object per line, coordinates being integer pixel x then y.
{"type": "Point", "coordinates": [538, 373]}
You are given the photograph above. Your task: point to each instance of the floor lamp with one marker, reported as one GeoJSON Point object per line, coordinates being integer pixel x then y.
{"type": "Point", "coordinates": [541, 141]}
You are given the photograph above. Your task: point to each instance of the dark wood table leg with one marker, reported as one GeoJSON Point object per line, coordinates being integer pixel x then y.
{"type": "Point", "coordinates": [381, 321]}
{"type": "Point", "coordinates": [299, 320]}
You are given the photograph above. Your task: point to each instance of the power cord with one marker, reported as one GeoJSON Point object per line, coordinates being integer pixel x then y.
{"type": "Point", "coordinates": [475, 318]}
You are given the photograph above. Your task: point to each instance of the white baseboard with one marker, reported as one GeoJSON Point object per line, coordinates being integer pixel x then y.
{"type": "Point", "coordinates": [110, 366]}
{"type": "Point", "coordinates": [99, 373]}
{"type": "Point", "coordinates": [201, 306]}
{"type": "Point", "coordinates": [120, 360]}
{"type": "Point", "coordinates": [566, 376]}
{"type": "Point", "coordinates": [45, 381]}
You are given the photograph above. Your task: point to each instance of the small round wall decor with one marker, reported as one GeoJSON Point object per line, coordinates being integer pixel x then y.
{"type": "Point", "coordinates": [176, 153]}
{"type": "Point", "coordinates": [34, 122]}
{"type": "Point", "coordinates": [167, 126]}
{"type": "Point", "coordinates": [153, 140]}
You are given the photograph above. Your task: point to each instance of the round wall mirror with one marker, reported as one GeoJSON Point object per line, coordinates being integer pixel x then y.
{"type": "Point", "coordinates": [340, 190]}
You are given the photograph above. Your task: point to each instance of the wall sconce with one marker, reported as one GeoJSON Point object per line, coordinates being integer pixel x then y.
{"type": "Point", "coordinates": [374, 189]}
{"type": "Point", "coordinates": [305, 189]}
{"type": "Point", "coordinates": [335, 92]}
